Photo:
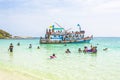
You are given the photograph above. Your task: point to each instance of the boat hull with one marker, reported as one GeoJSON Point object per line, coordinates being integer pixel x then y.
{"type": "Point", "coordinates": [46, 41]}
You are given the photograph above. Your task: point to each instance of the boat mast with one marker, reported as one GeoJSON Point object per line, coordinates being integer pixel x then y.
{"type": "Point", "coordinates": [79, 27]}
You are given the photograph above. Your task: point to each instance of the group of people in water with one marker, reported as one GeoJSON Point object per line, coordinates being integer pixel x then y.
{"type": "Point", "coordinates": [18, 44]}
{"type": "Point", "coordinates": [93, 49]}
{"type": "Point", "coordinates": [86, 50]}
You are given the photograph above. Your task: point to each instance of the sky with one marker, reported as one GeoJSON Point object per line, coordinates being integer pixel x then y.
{"type": "Point", "coordinates": [99, 18]}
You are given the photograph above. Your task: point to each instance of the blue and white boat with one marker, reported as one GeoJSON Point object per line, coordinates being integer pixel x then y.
{"type": "Point", "coordinates": [61, 36]}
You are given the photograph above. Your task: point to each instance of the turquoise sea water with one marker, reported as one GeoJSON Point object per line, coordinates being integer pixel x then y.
{"type": "Point", "coordinates": [74, 66]}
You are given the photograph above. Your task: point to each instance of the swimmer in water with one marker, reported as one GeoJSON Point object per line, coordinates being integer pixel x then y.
{"type": "Point", "coordinates": [94, 49]}
{"type": "Point", "coordinates": [79, 50]}
{"type": "Point", "coordinates": [105, 49]}
{"type": "Point", "coordinates": [18, 44]}
{"type": "Point", "coordinates": [53, 56]}
{"type": "Point", "coordinates": [65, 45]}
{"type": "Point", "coordinates": [67, 51]}
{"type": "Point", "coordinates": [85, 49]}
{"type": "Point", "coordinates": [38, 47]}
{"type": "Point", "coordinates": [30, 46]}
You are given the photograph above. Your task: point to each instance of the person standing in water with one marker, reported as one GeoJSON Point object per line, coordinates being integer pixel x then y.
{"type": "Point", "coordinates": [79, 50]}
{"type": "Point", "coordinates": [11, 47]}
{"type": "Point", "coordinates": [67, 51]}
{"type": "Point", "coordinates": [30, 46]}
{"type": "Point", "coordinates": [38, 47]}
{"type": "Point", "coordinates": [18, 44]}
{"type": "Point", "coordinates": [85, 49]}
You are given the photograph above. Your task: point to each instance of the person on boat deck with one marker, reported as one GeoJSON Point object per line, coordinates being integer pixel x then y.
{"type": "Point", "coordinates": [67, 51]}
{"type": "Point", "coordinates": [11, 47]}
{"type": "Point", "coordinates": [85, 49]}
{"type": "Point", "coordinates": [79, 50]}
{"type": "Point", "coordinates": [30, 46]}
{"type": "Point", "coordinates": [53, 56]}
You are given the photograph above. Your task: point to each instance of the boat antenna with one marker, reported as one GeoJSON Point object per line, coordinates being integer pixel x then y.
{"type": "Point", "coordinates": [58, 25]}
{"type": "Point", "coordinates": [68, 29]}
{"type": "Point", "coordinates": [62, 27]}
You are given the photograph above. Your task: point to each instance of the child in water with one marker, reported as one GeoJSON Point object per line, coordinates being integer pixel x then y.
{"type": "Point", "coordinates": [30, 46]}
{"type": "Point", "coordinates": [79, 50]}
{"type": "Point", "coordinates": [38, 47]}
{"type": "Point", "coordinates": [67, 51]}
{"type": "Point", "coordinates": [53, 56]}
{"type": "Point", "coordinates": [94, 49]}
{"type": "Point", "coordinates": [85, 49]}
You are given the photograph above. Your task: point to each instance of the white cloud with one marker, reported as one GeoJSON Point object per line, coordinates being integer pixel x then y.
{"type": "Point", "coordinates": [31, 17]}
{"type": "Point", "coordinates": [109, 7]}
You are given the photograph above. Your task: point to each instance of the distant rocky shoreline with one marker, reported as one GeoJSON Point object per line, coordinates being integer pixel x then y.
{"type": "Point", "coordinates": [22, 37]}
{"type": "Point", "coordinates": [6, 35]}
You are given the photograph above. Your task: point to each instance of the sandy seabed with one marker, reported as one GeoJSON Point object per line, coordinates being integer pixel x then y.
{"type": "Point", "coordinates": [9, 75]}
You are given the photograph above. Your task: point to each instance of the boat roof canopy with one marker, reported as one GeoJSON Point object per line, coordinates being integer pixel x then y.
{"type": "Point", "coordinates": [58, 28]}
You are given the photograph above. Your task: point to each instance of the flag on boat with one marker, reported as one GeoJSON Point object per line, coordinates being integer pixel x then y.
{"type": "Point", "coordinates": [50, 26]}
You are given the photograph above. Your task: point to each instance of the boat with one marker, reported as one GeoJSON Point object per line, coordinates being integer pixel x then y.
{"type": "Point", "coordinates": [58, 35]}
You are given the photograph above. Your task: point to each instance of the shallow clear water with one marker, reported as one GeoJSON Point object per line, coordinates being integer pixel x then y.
{"type": "Point", "coordinates": [75, 66]}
